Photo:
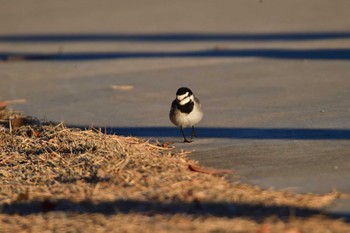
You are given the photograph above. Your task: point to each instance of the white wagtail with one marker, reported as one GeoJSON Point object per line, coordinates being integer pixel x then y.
{"type": "Point", "coordinates": [185, 111]}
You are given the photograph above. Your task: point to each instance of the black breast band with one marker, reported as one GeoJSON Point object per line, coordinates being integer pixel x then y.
{"type": "Point", "coordinates": [187, 108]}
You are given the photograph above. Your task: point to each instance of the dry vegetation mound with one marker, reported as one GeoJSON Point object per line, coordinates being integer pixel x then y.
{"type": "Point", "coordinates": [54, 178]}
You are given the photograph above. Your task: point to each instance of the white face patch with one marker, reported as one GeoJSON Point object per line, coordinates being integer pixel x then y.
{"type": "Point", "coordinates": [181, 97]}
{"type": "Point", "coordinates": [185, 100]}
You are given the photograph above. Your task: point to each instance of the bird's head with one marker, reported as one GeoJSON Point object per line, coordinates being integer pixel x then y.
{"type": "Point", "coordinates": [184, 95]}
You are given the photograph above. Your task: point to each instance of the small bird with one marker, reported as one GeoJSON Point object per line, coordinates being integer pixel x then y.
{"type": "Point", "coordinates": [185, 111]}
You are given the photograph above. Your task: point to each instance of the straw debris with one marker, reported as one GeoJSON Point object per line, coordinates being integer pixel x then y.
{"type": "Point", "coordinates": [65, 179]}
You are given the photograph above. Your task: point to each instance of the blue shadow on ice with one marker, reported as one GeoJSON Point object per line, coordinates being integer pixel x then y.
{"type": "Point", "coordinates": [238, 133]}
{"type": "Point", "coordinates": [309, 54]}
{"type": "Point", "coordinates": [280, 53]}
{"type": "Point", "coordinates": [174, 37]}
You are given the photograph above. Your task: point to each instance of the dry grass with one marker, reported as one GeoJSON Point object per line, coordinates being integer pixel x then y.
{"type": "Point", "coordinates": [59, 179]}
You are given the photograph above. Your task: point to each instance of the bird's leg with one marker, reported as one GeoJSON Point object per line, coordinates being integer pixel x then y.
{"type": "Point", "coordinates": [194, 135]}
{"type": "Point", "coordinates": [183, 134]}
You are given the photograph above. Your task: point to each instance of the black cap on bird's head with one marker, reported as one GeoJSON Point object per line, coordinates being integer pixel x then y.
{"type": "Point", "coordinates": [184, 90]}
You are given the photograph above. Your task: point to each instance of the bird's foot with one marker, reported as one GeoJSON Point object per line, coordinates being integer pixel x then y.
{"type": "Point", "coordinates": [187, 141]}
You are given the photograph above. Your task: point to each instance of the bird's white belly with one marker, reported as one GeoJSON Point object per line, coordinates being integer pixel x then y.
{"type": "Point", "coordinates": [188, 120]}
